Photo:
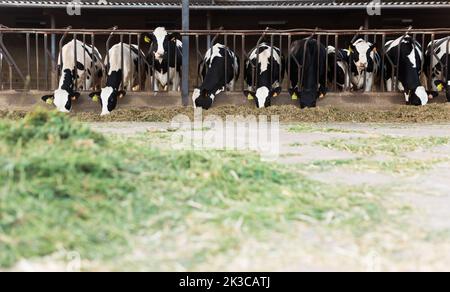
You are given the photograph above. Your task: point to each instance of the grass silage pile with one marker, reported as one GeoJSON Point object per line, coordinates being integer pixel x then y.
{"type": "Point", "coordinates": [65, 187]}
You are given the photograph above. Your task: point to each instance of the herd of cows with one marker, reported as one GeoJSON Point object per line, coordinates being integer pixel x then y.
{"type": "Point", "coordinates": [311, 66]}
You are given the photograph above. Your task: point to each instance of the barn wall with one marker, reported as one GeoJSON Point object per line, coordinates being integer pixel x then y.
{"type": "Point", "coordinates": [134, 19]}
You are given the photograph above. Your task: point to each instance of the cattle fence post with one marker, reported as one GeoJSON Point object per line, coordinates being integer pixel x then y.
{"type": "Point", "coordinates": [185, 62]}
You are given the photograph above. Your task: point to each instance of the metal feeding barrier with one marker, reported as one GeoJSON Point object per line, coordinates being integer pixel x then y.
{"type": "Point", "coordinates": [30, 56]}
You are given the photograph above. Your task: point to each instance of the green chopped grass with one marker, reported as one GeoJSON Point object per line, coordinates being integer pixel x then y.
{"type": "Point", "coordinates": [396, 165]}
{"type": "Point", "coordinates": [66, 187]}
{"type": "Point", "coordinates": [384, 144]}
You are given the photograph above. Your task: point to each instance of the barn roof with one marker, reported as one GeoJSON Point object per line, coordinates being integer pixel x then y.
{"type": "Point", "coordinates": [226, 4]}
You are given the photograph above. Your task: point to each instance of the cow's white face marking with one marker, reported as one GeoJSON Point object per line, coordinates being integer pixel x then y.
{"type": "Point", "coordinates": [362, 47]}
{"type": "Point", "coordinates": [61, 99]}
{"type": "Point", "coordinates": [209, 57]}
{"type": "Point", "coordinates": [422, 94]}
{"type": "Point", "coordinates": [262, 94]}
{"type": "Point", "coordinates": [264, 57]}
{"type": "Point", "coordinates": [104, 95]}
{"type": "Point", "coordinates": [412, 58]}
{"type": "Point", "coordinates": [160, 33]}
{"type": "Point", "coordinates": [195, 95]}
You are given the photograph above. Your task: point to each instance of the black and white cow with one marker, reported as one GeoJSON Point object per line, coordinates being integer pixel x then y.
{"type": "Point", "coordinates": [212, 70]}
{"type": "Point", "coordinates": [167, 58]}
{"type": "Point", "coordinates": [438, 56]}
{"type": "Point", "coordinates": [133, 63]}
{"type": "Point", "coordinates": [361, 60]}
{"type": "Point", "coordinates": [342, 70]}
{"type": "Point", "coordinates": [408, 54]}
{"type": "Point", "coordinates": [88, 74]}
{"type": "Point", "coordinates": [267, 72]}
{"type": "Point", "coordinates": [312, 84]}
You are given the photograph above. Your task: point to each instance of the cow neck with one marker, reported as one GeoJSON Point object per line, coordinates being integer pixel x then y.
{"type": "Point", "coordinates": [114, 79]}
{"type": "Point", "coordinates": [67, 80]}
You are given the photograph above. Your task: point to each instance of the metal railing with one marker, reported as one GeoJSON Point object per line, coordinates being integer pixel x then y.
{"type": "Point", "coordinates": [28, 63]}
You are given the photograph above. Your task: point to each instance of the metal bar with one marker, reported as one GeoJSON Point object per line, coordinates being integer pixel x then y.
{"type": "Point", "coordinates": [84, 62]}
{"type": "Point", "coordinates": [131, 81]}
{"type": "Point", "coordinates": [122, 67]}
{"type": "Point", "coordinates": [280, 72]}
{"type": "Point", "coordinates": [234, 51]}
{"type": "Point", "coordinates": [75, 82]}
{"type": "Point", "coordinates": [446, 60]}
{"type": "Point", "coordinates": [271, 59]}
{"type": "Point", "coordinates": [197, 61]}
{"type": "Point", "coordinates": [289, 60]}
{"type": "Point", "coordinates": [327, 43]}
{"type": "Point", "coordinates": [225, 41]}
{"type": "Point", "coordinates": [46, 61]}
{"type": "Point", "coordinates": [28, 61]}
{"type": "Point", "coordinates": [37, 60]}
{"type": "Point", "coordinates": [138, 41]}
{"type": "Point", "coordinates": [185, 63]}
{"type": "Point", "coordinates": [336, 43]}
{"type": "Point", "coordinates": [430, 69]}
{"type": "Point", "coordinates": [243, 60]}
{"type": "Point", "coordinates": [383, 56]}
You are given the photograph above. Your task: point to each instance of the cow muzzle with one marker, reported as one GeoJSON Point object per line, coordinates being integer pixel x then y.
{"type": "Point", "coordinates": [159, 55]}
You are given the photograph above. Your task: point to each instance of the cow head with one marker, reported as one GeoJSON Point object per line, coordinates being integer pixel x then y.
{"type": "Point", "coordinates": [202, 99]}
{"type": "Point", "coordinates": [108, 99]}
{"type": "Point", "coordinates": [418, 96]}
{"type": "Point", "coordinates": [441, 86]}
{"type": "Point", "coordinates": [308, 98]}
{"type": "Point", "coordinates": [160, 40]}
{"type": "Point", "coordinates": [263, 96]}
{"type": "Point", "coordinates": [62, 99]}
{"type": "Point", "coordinates": [362, 54]}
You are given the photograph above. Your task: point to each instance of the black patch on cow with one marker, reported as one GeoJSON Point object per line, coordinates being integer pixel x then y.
{"type": "Point", "coordinates": [214, 77]}
{"type": "Point", "coordinates": [340, 56]}
{"type": "Point", "coordinates": [80, 66]}
{"type": "Point", "coordinates": [408, 75]}
{"type": "Point", "coordinates": [114, 79]}
{"type": "Point", "coordinates": [68, 80]}
{"type": "Point", "coordinates": [173, 57]}
{"type": "Point", "coordinates": [269, 77]}
{"type": "Point", "coordinates": [204, 101]}
{"type": "Point", "coordinates": [313, 56]}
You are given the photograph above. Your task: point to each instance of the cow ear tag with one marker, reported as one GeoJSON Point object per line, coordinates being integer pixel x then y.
{"type": "Point", "coordinates": [250, 97]}
{"type": "Point", "coordinates": [49, 101]}
{"type": "Point", "coordinates": [349, 51]}
{"type": "Point", "coordinates": [294, 96]}
{"type": "Point", "coordinates": [440, 87]}
{"type": "Point", "coordinates": [147, 39]}
{"type": "Point", "coordinates": [95, 98]}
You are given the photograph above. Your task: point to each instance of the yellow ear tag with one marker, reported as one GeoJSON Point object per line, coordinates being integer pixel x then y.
{"type": "Point", "coordinates": [95, 98]}
{"type": "Point", "coordinates": [350, 51]}
{"type": "Point", "coordinates": [440, 87]}
{"type": "Point", "coordinates": [147, 39]}
{"type": "Point", "coordinates": [49, 101]}
{"type": "Point", "coordinates": [250, 97]}
{"type": "Point", "coordinates": [294, 96]}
